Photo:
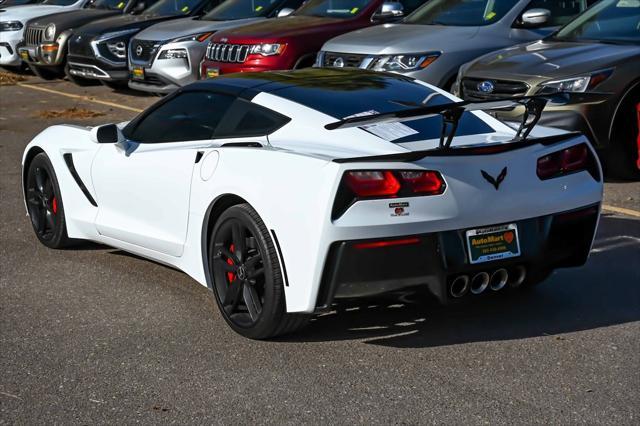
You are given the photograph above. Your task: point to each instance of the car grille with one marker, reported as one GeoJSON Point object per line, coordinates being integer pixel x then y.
{"type": "Point", "coordinates": [143, 50]}
{"type": "Point", "coordinates": [348, 59]}
{"type": "Point", "coordinates": [221, 52]}
{"type": "Point", "coordinates": [80, 45]}
{"type": "Point", "coordinates": [501, 89]}
{"type": "Point", "coordinates": [33, 36]}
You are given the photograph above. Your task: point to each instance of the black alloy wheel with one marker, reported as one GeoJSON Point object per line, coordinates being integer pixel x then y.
{"type": "Point", "coordinates": [247, 280]}
{"type": "Point", "coordinates": [44, 203]}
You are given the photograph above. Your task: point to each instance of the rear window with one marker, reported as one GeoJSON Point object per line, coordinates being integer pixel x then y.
{"type": "Point", "coordinates": [342, 97]}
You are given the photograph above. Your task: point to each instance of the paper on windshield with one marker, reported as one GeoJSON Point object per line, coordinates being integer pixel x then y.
{"type": "Point", "coordinates": [386, 131]}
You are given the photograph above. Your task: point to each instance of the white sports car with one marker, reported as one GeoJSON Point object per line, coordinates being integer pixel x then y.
{"type": "Point", "coordinates": [283, 191]}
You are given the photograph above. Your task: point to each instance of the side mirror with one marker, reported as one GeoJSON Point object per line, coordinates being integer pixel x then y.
{"type": "Point", "coordinates": [285, 11]}
{"type": "Point", "coordinates": [535, 18]}
{"type": "Point", "coordinates": [108, 133]}
{"type": "Point", "coordinates": [390, 11]}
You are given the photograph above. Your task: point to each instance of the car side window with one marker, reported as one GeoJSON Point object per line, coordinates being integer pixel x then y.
{"type": "Point", "coordinates": [209, 6]}
{"type": "Point", "coordinates": [246, 119]}
{"type": "Point", "coordinates": [188, 116]}
{"type": "Point", "coordinates": [409, 6]}
{"type": "Point", "coordinates": [561, 11]}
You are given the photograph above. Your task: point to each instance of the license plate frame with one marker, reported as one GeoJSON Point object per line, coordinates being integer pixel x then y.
{"type": "Point", "coordinates": [212, 72]}
{"type": "Point", "coordinates": [137, 73]}
{"type": "Point", "coordinates": [493, 243]}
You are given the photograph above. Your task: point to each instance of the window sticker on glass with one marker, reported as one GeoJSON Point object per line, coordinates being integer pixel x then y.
{"type": "Point", "coordinates": [259, 8]}
{"type": "Point", "coordinates": [120, 5]}
{"type": "Point", "coordinates": [185, 9]}
{"type": "Point", "coordinates": [354, 10]}
{"type": "Point", "coordinates": [386, 131]}
{"type": "Point", "coordinates": [628, 3]}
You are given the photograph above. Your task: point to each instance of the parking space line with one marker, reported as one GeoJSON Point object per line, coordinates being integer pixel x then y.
{"type": "Point", "coordinates": [81, 97]}
{"type": "Point", "coordinates": [621, 210]}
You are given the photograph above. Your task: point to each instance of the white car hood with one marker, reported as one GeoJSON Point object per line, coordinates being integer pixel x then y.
{"type": "Point", "coordinates": [175, 28]}
{"type": "Point", "coordinates": [26, 12]}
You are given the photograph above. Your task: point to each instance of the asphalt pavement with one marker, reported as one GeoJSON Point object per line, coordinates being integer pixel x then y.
{"type": "Point", "coordinates": [97, 336]}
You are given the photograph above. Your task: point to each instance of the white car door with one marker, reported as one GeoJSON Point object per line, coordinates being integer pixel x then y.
{"type": "Point", "coordinates": [143, 185]}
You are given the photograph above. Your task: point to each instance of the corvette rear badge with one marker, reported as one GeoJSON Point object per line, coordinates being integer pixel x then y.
{"type": "Point", "coordinates": [497, 181]}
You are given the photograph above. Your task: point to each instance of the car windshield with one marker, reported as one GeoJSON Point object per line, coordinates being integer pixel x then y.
{"type": "Point", "coordinates": [462, 13]}
{"type": "Point", "coordinates": [108, 4]}
{"type": "Point", "coordinates": [238, 9]}
{"type": "Point", "coordinates": [343, 9]}
{"type": "Point", "coordinates": [173, 7]}
{"type": "Point", "coordinates": [612, 21]}
{"type": "Point", "coordinates": [59, 2]}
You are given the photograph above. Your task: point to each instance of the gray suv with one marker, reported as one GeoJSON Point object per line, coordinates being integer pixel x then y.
{"type": "Point", "coordinates": [167, 55]}
{"type": "Point", "coordinates": [436, 39]}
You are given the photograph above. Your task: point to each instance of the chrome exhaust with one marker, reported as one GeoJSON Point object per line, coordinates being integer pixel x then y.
{"type": "Point", "coordinates": [517, 276]}
{"type": "Point", "coordinates": [499, 279]}
{"type": "Point", "coordinates": [459, 286]}
{"type": "Point", "coordinates": [479, 282]}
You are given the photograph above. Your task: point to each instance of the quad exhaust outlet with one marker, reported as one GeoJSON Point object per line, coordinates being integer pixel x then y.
{"type": "Point", "coordinates": [496, 281]}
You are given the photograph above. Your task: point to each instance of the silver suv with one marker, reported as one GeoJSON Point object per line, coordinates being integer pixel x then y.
{"type": "Point", "coordinates": [435, 40]}
{"type": "Point", "coordinates": [167, 55]}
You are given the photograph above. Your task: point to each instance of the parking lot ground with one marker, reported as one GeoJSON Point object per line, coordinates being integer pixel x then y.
{"type": "Point", "coordinates": [94, 335]}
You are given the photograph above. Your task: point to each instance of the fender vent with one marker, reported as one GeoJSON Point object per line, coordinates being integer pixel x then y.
{"type": "Point", "coordinates": [68, 159]}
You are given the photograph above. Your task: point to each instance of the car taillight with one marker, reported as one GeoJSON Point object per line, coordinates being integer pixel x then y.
{"type": "Point", "coordinates": [375, 184]}
{"type": "Point", "coordinates": [372, 183]}
{"type": "Point", "coordinates": [423, 182]}
{"type": "Point", "coordinates": [568, 160]}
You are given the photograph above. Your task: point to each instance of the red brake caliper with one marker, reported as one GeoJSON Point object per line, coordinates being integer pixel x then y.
{"type": "Point", "coordinates": [54, 205]}
{"type": "Point", "coordinates": [230, 275]}
{"type": "Point", "coordinates": [638, 141]}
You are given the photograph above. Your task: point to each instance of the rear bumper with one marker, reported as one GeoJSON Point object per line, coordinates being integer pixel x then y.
{"type": "Point", "coordinates": [434, 260]}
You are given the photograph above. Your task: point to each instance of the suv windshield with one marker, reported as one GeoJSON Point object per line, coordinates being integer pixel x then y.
{"type": "Point", "coordinates": [108, 4]}
{"type": "Point", "coordinates": [59, 2]}
{"type": "Point", "coordinates": [343, 9]}
{"type": "Point", "coordinates": [173, 7]}
{"type": "Point", "coordinates": [613, 21]}
{"type": "Point", "coordinates": [238, 9]}
{"type": "Point", "coordinates": [463, 13]}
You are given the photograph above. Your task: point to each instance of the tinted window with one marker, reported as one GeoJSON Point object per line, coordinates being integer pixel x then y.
{"type": "Point", "coordinates": [248, 119]}
{"type": "Point", "coordinates": [466, 13]}
{"type": "Point", "coordinates": [614, 21]}
{"type": "Point", "coordinates": [174, 7]}
{"type": "Point", "coordinates": [333, 8]}
{"type": "Point", "coordinates": [59, 2]}
{"type": "Point", "coordinates": [561, 11]}
{"type": "Point", "coordinates": [108, 4]}
{"type": "Point", "coordinates": [239, 9]}
{"type": "Point", "coordinates": [188, 116]}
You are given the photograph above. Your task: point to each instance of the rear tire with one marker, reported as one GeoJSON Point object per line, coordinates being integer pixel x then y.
{"type": "Point", "coordinates": [115, 85]}
{"type": "Point", "coordinates": [47, 73]}
{"type": "Point", "coordinates": [246, 276]}
{"type": "Point", "coordinates": [622, 158]}
{"type": "Point", "coordinates": [44, 203]}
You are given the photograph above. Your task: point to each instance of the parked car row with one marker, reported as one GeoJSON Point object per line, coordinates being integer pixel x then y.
{"type": "Point", "coordinates": [477, 49]}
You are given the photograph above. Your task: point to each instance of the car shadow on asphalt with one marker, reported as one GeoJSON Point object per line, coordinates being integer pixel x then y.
{"type": "Point", "coordinates": [604, 292]}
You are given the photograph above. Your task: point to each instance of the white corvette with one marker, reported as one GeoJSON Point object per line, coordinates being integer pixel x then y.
{"type": "Point", "coordinates": [283, 191]}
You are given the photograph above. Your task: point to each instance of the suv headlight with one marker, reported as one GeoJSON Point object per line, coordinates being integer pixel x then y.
{"type": "Point", "coordinates": [10, 26]}
{"type": "Point", "coordinates": [267, 49]}
{"type": "Point", "coordinates": [49, 32]}
{"type": "Point", "coordinates": [173, 54]}
{"type": "Point", "coordinates": [404, 63]}
{"type": "Point", "coordinates": [576, 84]}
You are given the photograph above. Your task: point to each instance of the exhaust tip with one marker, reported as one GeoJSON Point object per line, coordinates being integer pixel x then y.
{"type": "Point", "coordinates": [499, 279]}
{"type": "Point", "coordinates": [517, 276]}
{"type": "Point", "coordinates": [479, 282]}
{"type": "Point", "coordinates": [459, 286]}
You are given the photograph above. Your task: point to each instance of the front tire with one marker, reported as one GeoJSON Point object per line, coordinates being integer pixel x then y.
{"type": "Point", "coordinates": [44, 203]}
{"type": "Point", "coordinates": [247, 280]}
{"type": "Point", "coordinates": [46, 73]}
{"type": "Point", "coordinates": [115, 85]}
{"type": "Point", "coordinates": [623, 157]}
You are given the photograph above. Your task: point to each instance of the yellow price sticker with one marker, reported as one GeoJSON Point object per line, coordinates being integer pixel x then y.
{"type": "Point", "coordinates": [489, 16]}
{"type": "Point", "coordinates": [259, 8]}
{"type": "Point", "coordinates": [185, 9]}
{"type": "Point", "coordinates": [354, 10]}
{"type": "Point", "coordinates": [120, 5]}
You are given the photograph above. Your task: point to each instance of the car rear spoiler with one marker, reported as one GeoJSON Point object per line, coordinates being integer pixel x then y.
{"type": "Point", "coordinates": [452, 112]}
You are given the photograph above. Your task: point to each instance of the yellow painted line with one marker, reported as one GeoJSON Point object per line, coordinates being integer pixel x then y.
{"type": "Point", "coordinates": [621, 210]}
{"type": "Point", "coordinates": [81, 97]}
